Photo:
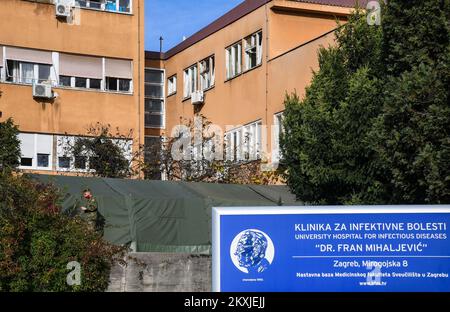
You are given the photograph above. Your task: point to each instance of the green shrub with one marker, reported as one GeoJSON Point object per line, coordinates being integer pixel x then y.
{"type": "Point", "coordinates": [325, 147]}
{"type": "Point", "coordinates": [37, 241]}
{"type": "Point", "coordinates": [413, 131]}
{"type": "Point", "coordinates": [9, 144]}
{"type": "Point", "coordinates": [374, 126]}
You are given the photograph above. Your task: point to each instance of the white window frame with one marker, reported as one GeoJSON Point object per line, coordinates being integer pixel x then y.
{"type": "Point", "coordinates": [60, 152]}
{"type": "Point", "coordinates": [103, 6]}
{"type": "Point", "coordinates": [88, 83]}
{"type": "Point", "coordinates": [253, 45]}
{"type": "Point", "coordinates": [190, 81]}
{"type": "Point", "coordinates": [162, 99]}
{"type": "Point", "coordinates": [88, 4]}
{"type": "Point", "coordinates": [207, 73]}
{"type": "Point", "coordinates": [3, 67]}
{"type": "Point", "coordinates": [233, 66]}
{"type": "Point", "coordinates": [244, 143]}
{"type": "Point", "coordinates": [16, 72]}
{"type": "Point", "coordinates": [118, 90]}
{"type": "Point", "coordinates": [172, 85]}
{"type": "Point", "coordinates": [276, 132]}
{"type": "Point", "coordinates": [34, 159]}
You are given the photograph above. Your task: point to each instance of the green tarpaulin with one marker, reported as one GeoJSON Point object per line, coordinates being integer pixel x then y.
{"type": "Point", "coordinates": [162, 216]}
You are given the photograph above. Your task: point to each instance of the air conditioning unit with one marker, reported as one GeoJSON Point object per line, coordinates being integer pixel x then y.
{"type": "Point", "coordinates": [63, 8]}
{"type": "Point", "coordinates": [197, 97]}
{"type": "Point", "coordinates": [42, 90]}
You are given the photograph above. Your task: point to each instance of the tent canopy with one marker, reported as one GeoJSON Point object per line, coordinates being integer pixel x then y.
{"type": "Point", "coordinates": [163, 216]}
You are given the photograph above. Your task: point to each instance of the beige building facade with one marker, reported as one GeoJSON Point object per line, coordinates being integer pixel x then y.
{"type": "Point", "coordinates": [66, 65]}
{"type": "Point", "coordinates": [237, 71]}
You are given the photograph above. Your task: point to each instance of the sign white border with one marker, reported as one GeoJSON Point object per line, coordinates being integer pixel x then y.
{"type": "Point", "coordinates": [217, 212]}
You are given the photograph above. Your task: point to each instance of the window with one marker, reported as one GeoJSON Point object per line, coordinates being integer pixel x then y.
{"type": "Point", "coordinates": [75, 71]}
{"type": "Point", "coordinates": [252, 141]}
{"type": "Point", "coordinates": [87, 72]}
{"type": "Point", "coordinates": [111, 84]}
{"type": "Point", "coordinates": [43, 72]}
{"type": "Point", "coordinates": [119, 75]}
{"type": "Point", "coordinates": [154, 113]}
{"type": "Point", "coordinates": [154, 76]}
{"type": "Point", "coordinates": [118, 84]}
{"type": "Point", "coordinates": [65, 81]}
{"type": "Point", "coordinates": [26, 72]}
{"type": "Point", "coordinates": [93, 4]}
{"type": "Point", "coordinates": [64, 162]}
{"type": "Point", "coordinates": [124, 85]}
{"type": "Point", "coordinates": [36, 151]}
{"type": "Point", "coordinates": [276, 132]}
{"type": "Point", "coordinates": [81, 162]}
{"type": "Point", "coordinates": [43, 160]}
{"type": "Point", "coordinates": [233, 57]}
{"type": "Point", "coordinates": [124, 5]}
{"type": "Point", "coordinates": [153, 90]}
{"type": "Point", "coordinates": [172, 85]}
{"type": "Point", "coordinates": [154, 98]}
{"type": "Point", "coordinates": [244, 143]}
{"type": "Point", "coordinates": [253, 50]}
{"type": "Point", "coordinates": [118, 5]}
{"type": "Point", "coordinates": [2, 63]}
{"type": "Point", "coordinates": [95, 84]}
{"type": "Point", "coordinates": [80, 82]}
{"type": "Point", "coordinates": [84, 160]}
{"type": "Point", "coordinates": [23, 72]}
{"type": "Point", "coordinates": [64, 145]}
{"type": "Point", "coordinates": [207, 73]}
{"type": "Point", "coordinates": [111, 5]}
{"type": "Point", "coordinates": [26, 162]}
{"type": "Point", "coordinates": [108, 5]}
{"type": "Point", "coordinates": [190, 81]}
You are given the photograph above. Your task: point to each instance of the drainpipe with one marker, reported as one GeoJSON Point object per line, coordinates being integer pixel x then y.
{"type": "Point", "coordinates": [140, 83]}
{"type": "Point", "coordinates": [269, 124]}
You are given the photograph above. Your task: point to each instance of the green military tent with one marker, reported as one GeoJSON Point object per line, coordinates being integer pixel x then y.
{"type": "Point", "coordinates": [163, 216]}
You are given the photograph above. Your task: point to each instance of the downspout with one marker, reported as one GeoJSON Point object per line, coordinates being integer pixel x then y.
{"type": "Point", "coordinates": [139, 88]}
{"type": "Point", "coordinates": [268, 124]}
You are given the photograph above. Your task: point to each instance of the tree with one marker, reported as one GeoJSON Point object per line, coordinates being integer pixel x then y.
{"type": "Point", "coordinates": [109, 154]}
{"type": "Point", "coordinates": [413, 132]}
{"type": "Point", "coordinates": [9, 145]}
{"type": "Point", "coordinates": [197, 153]}
{"type": "Point", "coordinates": [376, 129]}
{"type": "Point", "coordinates": [37, 241]}
{"type": "Point", "coordinates": [326, 143]}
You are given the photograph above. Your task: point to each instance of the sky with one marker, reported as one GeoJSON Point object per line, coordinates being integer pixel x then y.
{"type": "Point", "coordinates": [173, 19]}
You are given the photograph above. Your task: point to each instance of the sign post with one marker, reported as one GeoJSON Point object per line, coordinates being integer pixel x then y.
{"type": "Point", "coordinates": [332, 249]}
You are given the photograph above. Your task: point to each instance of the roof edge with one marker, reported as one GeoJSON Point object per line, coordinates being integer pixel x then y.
{"type": "Point", "coordinates": [228, 18]}
{"type": "Point", "coordinates": [241, 10]}
{"type": "Point", "coordinates": [154, 55]}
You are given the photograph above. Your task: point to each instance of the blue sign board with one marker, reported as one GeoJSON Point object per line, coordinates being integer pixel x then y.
{"type": "Point", "coordinates": [332, 249]}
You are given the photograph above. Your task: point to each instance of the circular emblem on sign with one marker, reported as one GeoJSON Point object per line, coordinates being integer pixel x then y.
{"type": "Point", "coordinates": [252, 251]}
